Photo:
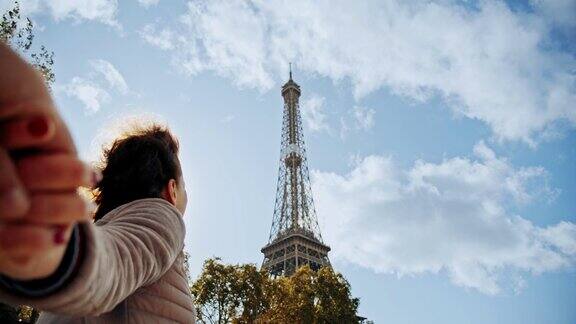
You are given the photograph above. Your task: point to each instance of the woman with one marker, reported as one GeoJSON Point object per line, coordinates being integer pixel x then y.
{"type": "Point", "coordinates": [127, 267]}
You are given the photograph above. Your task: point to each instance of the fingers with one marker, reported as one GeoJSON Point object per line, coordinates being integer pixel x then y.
{"type": "Point", "coordinates": [26, 132]}
{"type": "Point", "coordinates": [28, 245]}
{"type": "Point", "coordinates": [20, 82]}
{"type": "Point", "coordinates": [29, 251]}
{"type": "Point", "coordinates": [24, 95]}
{"type": "Point", "coordinates": [22, 239]}
{"type": "Point", "coordinates": [58, 208]}
{"type": "Point", "coordinates": [13, 199]}
{"type": "Point", "coordinates": [55, 172]}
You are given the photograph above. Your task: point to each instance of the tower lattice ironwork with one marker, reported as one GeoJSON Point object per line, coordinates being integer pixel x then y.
{"type": "Point", "coordinates": [295, 238]}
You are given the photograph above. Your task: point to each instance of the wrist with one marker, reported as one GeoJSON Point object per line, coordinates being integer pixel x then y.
{"type": "Point", "coordinates": [38, 265]}
{"type": "Point", "coordinates": [44, 285]}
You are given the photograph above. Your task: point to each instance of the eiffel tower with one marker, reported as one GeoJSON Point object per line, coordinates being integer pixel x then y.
{"type": "Point", "coordinates": [295, 238]}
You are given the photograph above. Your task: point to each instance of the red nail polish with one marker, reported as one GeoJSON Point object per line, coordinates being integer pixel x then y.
{"type": "Point", "coordinates": [59, 235]}
{"type": "Point", "coordinates": [38, 126]}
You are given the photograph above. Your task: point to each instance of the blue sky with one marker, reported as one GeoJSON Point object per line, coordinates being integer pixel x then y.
{"type": "Point", "coordinates": [440, 135]}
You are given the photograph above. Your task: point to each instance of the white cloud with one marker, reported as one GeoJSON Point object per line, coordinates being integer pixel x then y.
{"type": "Point", "coordinates": [97, 10]}
{"type": "Point", "coordinates": [244, 57]}
{"type": "Point", "coordinates": [312, 110]}
{"type": "Point", "coordinates": [227, 119]}
{"type": "Point", "coordinates": [364, 117]}
{"type": "Point", "coordinates": [561, 12]}
{"type": "Point", "coordinates": [562, 236]}
{"type": "Point", "coordinates": [94, 89]}
{"type": "Point", "coordinates": [453, 217]}
{"type": "Point", "coordinates": [344, 128]}
{"type": "Point", "coordinates": [148, 3]}
{"type": "Point", "coordinates": [488, 63]}
{"type": "Point", "coordinates": [87, 92]}
{"type": "Point", "coordinates": [241, 57]}
{"type": "Point", "coordinates": [163, 39]}
{"type": "Point", "coordinates": [100, 10]}
{"type": "Point", "coordinates": [111, 74]}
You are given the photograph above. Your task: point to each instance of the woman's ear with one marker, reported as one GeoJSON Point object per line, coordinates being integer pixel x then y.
{"type": "Point", "coordinates": [170, 191]}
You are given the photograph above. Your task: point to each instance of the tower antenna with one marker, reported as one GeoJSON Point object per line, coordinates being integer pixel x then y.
{"type": "Point", "coordinates": [290, 70]}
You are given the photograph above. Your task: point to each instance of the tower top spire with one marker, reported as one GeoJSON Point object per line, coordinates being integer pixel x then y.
{"type": "Point", "coordinates": [291, 87]}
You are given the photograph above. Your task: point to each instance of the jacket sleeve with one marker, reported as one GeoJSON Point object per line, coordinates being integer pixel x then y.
{"type": "Point", "coordinates": [133, 249]}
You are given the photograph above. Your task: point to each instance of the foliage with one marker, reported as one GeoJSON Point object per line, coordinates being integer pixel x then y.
{"type": "Point", "coordinates": [18, 33]}
{"type": "Point", "coordinates": [251, 287]}
{"type": "Point", "coordinates": [28, 314]}
{"type": "Point", "coordinates": [226, 293]}
{"type": "Point", "coordinates": [243, 294]}
{"type": "Point", "coordinates": [311, 297]}
{"type": "Point", "coordinates": [20, 314]}
{"type": "Point", "coordinates": [333, 301]}
{"type": "Point", "coordinates": [187, 267]}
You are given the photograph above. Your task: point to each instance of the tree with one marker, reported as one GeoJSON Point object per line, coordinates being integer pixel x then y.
{"type": "Point", "coordinates": [229, 293]}
{"type": "Point", "coordinates": [216, 293]}
{"type": "Point", "coordinates": [19, 34]}
{"type": "Point", "coordinates": [291, 299]}
{"type": "Point", "coordinates": [243, 294]}
{"type": "Point", "coordinates": [311, 297]}
{"type": "Point", "coordinates": [28, 314]}
{"type": "Point", "coordinates": [20, 314]}
{"type": "Point", "coordinates": [187, 267]}
{"type": "Point", "coordinates": [334, 303]}
{"type": "Point", "coordinates": [251, 286]}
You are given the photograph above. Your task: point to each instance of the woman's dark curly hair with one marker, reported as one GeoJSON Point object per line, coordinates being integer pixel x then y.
{"type": "Point", "coordinates": [137, 166]}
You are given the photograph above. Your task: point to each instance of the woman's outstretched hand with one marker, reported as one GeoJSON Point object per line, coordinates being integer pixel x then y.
{"type": "Point", "coordinates": [39, 174]}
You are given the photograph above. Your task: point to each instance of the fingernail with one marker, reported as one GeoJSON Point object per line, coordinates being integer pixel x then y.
{"type": "Point", "coordinates": [38, 126]}
{"type": "Point", "coordinates": [59, 234]}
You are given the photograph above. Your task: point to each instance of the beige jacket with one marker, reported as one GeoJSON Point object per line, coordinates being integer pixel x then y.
{"type": "Point", "coordinates": [127, 268]}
